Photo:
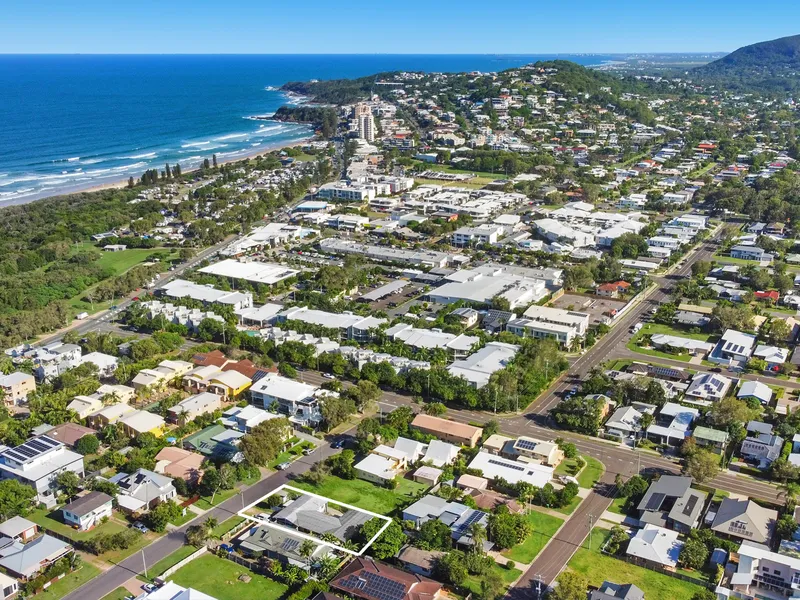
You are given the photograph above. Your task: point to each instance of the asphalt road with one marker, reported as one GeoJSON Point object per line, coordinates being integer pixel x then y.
{"type": "Point", "coordinates": [134, 565]}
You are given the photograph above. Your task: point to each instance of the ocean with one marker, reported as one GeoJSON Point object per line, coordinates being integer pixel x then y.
{"type": "Point", "coordinates": [73, 122]}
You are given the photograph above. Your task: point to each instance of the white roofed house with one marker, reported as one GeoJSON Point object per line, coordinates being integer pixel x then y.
{"type": "Point", "coordinates": [380, 467]}
{"type": "Point", "coordinates": [512, 471]}
{"type": "Point", "coordinates": [350, 326]}
{"type": "Point", "coordinates": [194, 406]}
{"type": "Point", "coordinates": [440, 453]}
{"type": "Point", "coordinates": [458, 346]}
{"type": "Point", "coordinates": [654, 545]}
{"type": "Point", "coordinates": [37, 463]}
{"type": "Point", "coordinates": [478, 368]}
{"type": "Point", "coordinates": [672, 424]}
{"type": "Point", "coordinates": [142, 490]}
{"type": "Point", "coordinates": [772, 355]}
{"type": "Point", "coordinates": [733, 347]}
{"type": "Point", "coordinates": [708, 386]}
{"type": "Point", "coordinates": [757, 572]}
{"type": "Point", "coordinates": [300, 401]}
{"type": "Point", "coordinates": [624, 422]}
{"type": "Point", "coordinates": [755, 389]}
{"type": "Point", "coordinates": [694, 347]}
{"type": "Point", "coordinates": [105, 363]}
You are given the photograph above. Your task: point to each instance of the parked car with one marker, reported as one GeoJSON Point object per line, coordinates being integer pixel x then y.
{"type": "Point", "coordinates": [307, 451]}
{"type": "Point", "coordinates": [328, 376]}
{"type": "Point", "coordinates": [139, 526]}
{"type": "Point", "coordinates": [149, 588]}
{"type": "Point", "coordinates": [337, 444]}
{"type": "Point", "coordinates": [283, 466]}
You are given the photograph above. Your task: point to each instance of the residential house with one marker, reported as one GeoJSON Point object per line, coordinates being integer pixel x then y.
{"type": "Point", "coordinates": [455, 515]}
{"type": "Point", "coordinates": [655, 546]}
{"type": "Point", "coordinates": [472, 482]}
{"type": "Point", "coordinates": [8, 587]}
{"type": "Point", "coordinates": [228, 384]}
{"type": "Point", "coordinates": [89, 510]}
{"type": "Point", "coordinates": [142, 490]}
{"type": "Point", "coordinates": [708, 386]}
{"type": "Point", "coordinates": [511, 470]}
{"type": "Point", "coordinates": [750, 253]}
{"type": "Point", "coordinates": [755, 389]}
{"type": "Point", "coordinates": [733, 347]}
{"type": "Point", "coordinates": [69, 433]}
{"type": "Point", "coordinates": [194, 406]}
{"type": "Point", "coordinates": [774, 357]}
{"type": "Point", "coordinates": [496, 444]}
{"type": "Point", "coordinates": [26, 561]}
{"type": "Point", "coordinates": [669, 343]}
{"type": "Point", "coordinates": [105, 363]}
{"type": "Point", "coordinates": [671, 502]}
{"type": "Point", "coordinates": [367, 579]}
{"type": "Point", "coordinates": [142, 421]}
{"type": "Point", "coordinates": [380, 466]}
{"type": "Point", "coordinates": [763, 448]}
{"type": "Point", "coordinates": [412, 449]}
{"type": "Point", "coordinates": [711, 439]}
{"type": "Point", "coordinates": [449, 431]}
{"type": "Point", "coordinates": [672, 424]}
{"type": "Point", "coordinates": [745, 519]}
{"type": "Point", "coordinates": [276, 544]}
{"type": "Point", "coordinates": [311, 514]}
{"type": "Point", "coordinates": [467, 317]}
{"type": "Point", "coordinates": [546, 453]}
{"type": "Point", "coordinates": [18, 528]}
{"type": "Point", "coordinates": [245, 418]}
{"type": "Point", "coordinates": [16, 387]}
{"type": "Point", "coordinates": [612, 290]}
{"type": "Point", "coordinates": [166, 371]}
{"type": "Point", "coordinates": [691, 319]}
{"type": "Point", "coordinates": [479, 366]}
{"type": "Point", "coordinates": [298, 400]}
{"type": "Point", "coordinates": [418, 561]}
{"type": "Point", "coordinates": [616, 591]}
{"type": "Point", "coordinates": [37, 463]}
{"type": "Point", "coordinates": [427, 475]}
{"type": "Point", "coordinates": [108, 415]}
{"type": "Point", "coordinates": [180, 464]}
{"type": "Point", "coordinates": [440, 453]}
{"type": "Point", "coordinates": [216, 442]}
{"type": "Point", "coordinates": [623, 423]}
{"type": "Point", "coordinates": [754, 571]}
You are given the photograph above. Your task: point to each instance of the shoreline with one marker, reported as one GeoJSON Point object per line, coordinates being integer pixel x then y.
{"type": "Point", "coordinates": [123, 183]}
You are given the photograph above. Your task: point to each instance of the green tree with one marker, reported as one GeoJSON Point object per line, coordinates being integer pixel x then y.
{"type": "Point", "coordinates": [15, 498]}
{"type": "Point", "coordinates": [786, 527]}
{"type": "Point", "coordinates": [702, 465]}
{"type": "Point", "coordinates": [571, 586]}
{"type": "Point", "coordinates": [265, 441]}
{"type": "Point", "coordinates": [88, 444]}
{"type": "Point", "coordinates": [694, 554]}
{"type": "Point", "coordinates": [69, 482]}
{"type": "Point", "coordinates": [388, 543]}
{"type": "Point", "coordinates": [434, 535]}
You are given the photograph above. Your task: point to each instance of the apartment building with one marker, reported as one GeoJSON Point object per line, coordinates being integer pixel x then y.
{"type": "Point", "coordinates": [16, 387]}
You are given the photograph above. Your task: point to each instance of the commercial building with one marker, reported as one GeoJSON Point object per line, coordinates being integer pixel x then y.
{"type": "Point", "coordinates": [181, 288]}
{"type": "Point", "coordinates": [458, 346]}
{"type": "Point", "coordinates": [482, 284]}
{"type": "Point", "coordinates": [252, 271]}
{"type": "Point", "coordinates": [37, 463]}
{"type": "Point", "coordinates": [349, 325]}
{"type": "Point", "coordinates": [422, 258]}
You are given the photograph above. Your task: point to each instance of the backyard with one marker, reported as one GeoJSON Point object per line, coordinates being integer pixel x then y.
{"type": "Point", "coordinates": [544, 528]}
{"type": "Point", "coordinates": [364, 494]}
{"type": "Point", "coordinates": [598, 568]}
{"type": "Point", "coordinates": [219, 577]}
{"type": "Point", "coordinates": [509, 576]}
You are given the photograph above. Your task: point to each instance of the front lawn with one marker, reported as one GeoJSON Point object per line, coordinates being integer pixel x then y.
{"type": "Point", "coordinates": [226, 526]}
{"type": "Point", "coordinates": [205, 502]}
{"type": "Point", "coordinates": [617, 504]}
{"type": "Point", "coordinates": [599, 567]}
{"type": "Point", "coordinates": [591, 473]}
{"type": "Point", "coordinates": [509, 576]}
{"type": "Point", "coordinates": [47, 519]}
{"type": "Point", "coordinates": [364, 494]}
{"type": "Point", "coordinates": [544, 528]}
{"type": "Point", "coordinates": [219, 577]}
{"type": "Point", "coordinates": [118, 594]}
{"type": "Point", "coordinates": [70, 582]}
{"type": "Point", "coordinates": [169, 561]}
{"type": "Point", "coordinates": [656, 328]}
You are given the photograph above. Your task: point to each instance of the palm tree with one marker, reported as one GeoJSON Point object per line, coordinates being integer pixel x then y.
{"type": "Point", "coordinates": [327, 566]}
{"type": "Point", "coordinates": [478, 534]}
{"type": "Point", "coordinates": [306, 549]}
{"type": "Point", "coordinates": [210, 523]}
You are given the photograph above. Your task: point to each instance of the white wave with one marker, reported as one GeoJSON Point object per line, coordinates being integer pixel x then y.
{"type": "Point", "coordinates": [92, 161]}
{"type": "Point", "coordinates": [138, 156]}
{"type": "Point", "coordinates": [23, 179]}
{"type": "Point", "coordinates": [260, 117]}
{"type": "Point", "coordinates": [256, 144]}
{"type": "Point", "coordinates": [231, 136]}
{"type": "Point", "coordinates": [193, 144]}
{"type": "Point", "coordinates": [128, 167]}
{"type": "Point", "coordinates": [98, 171]}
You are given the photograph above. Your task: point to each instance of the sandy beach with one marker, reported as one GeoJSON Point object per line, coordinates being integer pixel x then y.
{"type": "Point", "coordinates": [122, 183]}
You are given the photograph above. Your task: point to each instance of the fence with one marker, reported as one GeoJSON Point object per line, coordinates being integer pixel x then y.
{"type": "Point", "coordinates": [660, 569]}
{"type": "Point", "coordinates": [184, 562]}
{"type": "Point", "coordinates": [235, 530]}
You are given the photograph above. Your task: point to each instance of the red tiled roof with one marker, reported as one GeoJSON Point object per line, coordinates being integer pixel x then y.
{"type": "Point", "coordinates": [359, 579]}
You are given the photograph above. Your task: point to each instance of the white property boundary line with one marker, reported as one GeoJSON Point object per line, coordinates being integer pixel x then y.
{"type": "Point", "coordinates": [297, 533]}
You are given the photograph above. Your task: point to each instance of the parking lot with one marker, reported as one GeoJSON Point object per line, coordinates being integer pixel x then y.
{"type": "Point", "coordinates": [594, 305]}
{"type": "Point", "coordinates": [398, 298]}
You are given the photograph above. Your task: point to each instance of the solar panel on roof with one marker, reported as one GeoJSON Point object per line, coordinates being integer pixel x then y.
{"type": "Point", "coordinates": [290, 544]}
{"type": "Point", "coordinates": [526, 444]}
{"type": "Point", "coordinates": [655, 501]}
{"type": "Point", "coordinates": [690, 504]}
{"type": "Point", "coordinates": [502, 464]}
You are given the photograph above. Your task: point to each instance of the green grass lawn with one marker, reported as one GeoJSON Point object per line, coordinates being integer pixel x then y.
{"type": "Point", "coordinates": [169, 561]}
{"type": "Point", "coordinates": [544, 528]}
{"type": "Point", "coordinates": [70, 583]}
{"type": "Point", "coordinates": [52, 520]}
{"type": "Point", "coordinates": [226, 526]}
{"type": "Point", "coordinates": [653, 328]}
{"type": "Point", "coordinates": [509, 576]}
{"type": "Point", "coordinates": [364, 494]}
{"type": "Point", "coordinates": [599, 567]}
{"type": "Point", "coordinates": [118, 594]}
{"type": "Point", "coordinates": [570, 508]}
{"type": "Point", "coordinates": [190, 514]}
{"type": "Point", "coordinates": [617, 504]}
{"type": "Point", "coordinates": [218, 577]}
{"type": "Point", "coordinates": [205, 502]}
{"type": "Point", "coordinates": [591, 473]}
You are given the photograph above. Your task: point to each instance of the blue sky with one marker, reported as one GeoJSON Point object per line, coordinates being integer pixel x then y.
{"type": "Point", "coordinates": [407, 26]}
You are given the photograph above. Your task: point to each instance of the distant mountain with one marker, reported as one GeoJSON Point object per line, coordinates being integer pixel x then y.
{"type": "Point", "coordinates": [765, 66]}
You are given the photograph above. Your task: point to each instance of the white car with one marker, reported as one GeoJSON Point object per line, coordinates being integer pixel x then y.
{"type": "Point", "coordinates": [328, 376]}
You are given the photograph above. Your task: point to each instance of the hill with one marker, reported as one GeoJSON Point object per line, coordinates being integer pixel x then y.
{"type": "Point", "coordinates": [766, 66]}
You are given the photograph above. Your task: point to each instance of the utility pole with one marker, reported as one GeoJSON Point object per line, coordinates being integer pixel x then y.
{"type": "Point", "coordinates": [144, 564]}
{"type": "Point", "coordinates": [591, 526]}
{"type": "Point", "coordinates": [538, 586]}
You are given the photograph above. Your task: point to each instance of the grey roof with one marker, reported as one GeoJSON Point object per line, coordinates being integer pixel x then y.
{"type": "Point", "coordinates": [15, 526]}
{"type": "Point", "coordinates": [667, 486]}
{"type": "Point", "coordinates": [308, 513]}
{"type": "Point", "coordinates": [687, 508]}
{"type": "Point", "coordinates": [745, 519]}
{"type": "Point", "coordinates": [616, 591]}
{"type": "Point", "coordinates": [759, 427]}
{"type": "Point", "coordinates": [88, 503]}
{"type": "Point", "coordinates": [26, 559]}
{"type": "Point", "coordinates": [269, 539]}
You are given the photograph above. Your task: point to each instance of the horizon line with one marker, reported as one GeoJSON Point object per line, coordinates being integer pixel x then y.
{"type": "Point", "coordinates": [597, 53]}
